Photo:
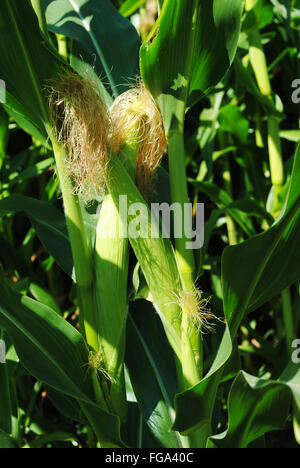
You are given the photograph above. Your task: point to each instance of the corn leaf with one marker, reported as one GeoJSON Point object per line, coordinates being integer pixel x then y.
{"type": "Point", "coordinates": [130, 6]}
{"type": "Point", "coordinates": [291, 377]}
{"type": "Point", "coordinates": [54, 352]}
{"type": "Point", "coordinates": [66, 405]}
{"type": "Point", "coordinates": [194, 43]}
{"type": "Point", "coordinates": [270, 262]}
{"type": "Point", "coordinates": [153, 379]}
{"type": "Point", "coordinates": [49, 224]}
{"type": "Point", "coordinates": [103, 39]}
{"type": "Point", "coordinates": [194, 407]}
{"type": "Point", "coordinates": [224, 201]}
{"type": "Point", "coordinates": [255, 406]}
{"type": "Point", "coordinates": [63, 367]}
{"type": "Point", "coordinates": [27, 64]}
{"type": "Point", "coordinates": [6, 441]}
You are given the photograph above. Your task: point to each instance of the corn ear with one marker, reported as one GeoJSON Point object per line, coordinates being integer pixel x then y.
{"type": "Point", "coordinates": [158, 262]}
{"type": "Point", "coordinates": [81, 256]}
{"type": "Point", "coordinates": [111, 269]}
{"type": "Point", "coordinates": [155, 255]}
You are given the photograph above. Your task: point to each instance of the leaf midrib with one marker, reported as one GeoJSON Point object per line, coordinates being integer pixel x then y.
{"type": "Point", "coordinates": [76, 8]}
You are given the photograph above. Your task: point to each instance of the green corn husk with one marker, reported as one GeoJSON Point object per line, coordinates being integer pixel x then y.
{"type": "Point", "coordinates": [111, 270]}
{"type": "Point", "coordinates": [81, 256]}
{"type": "Point", "coordinates": [159, 265]}
{"type": "Point", "coordinates": [111, 273]}
{"type": "Point", "coordinates": [158, 262]}
{"type": "Point", "coordinates": [155, 255]}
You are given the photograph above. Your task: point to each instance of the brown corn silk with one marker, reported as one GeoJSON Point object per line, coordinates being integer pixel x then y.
{"type": "Point", "coordinates": [134, 114]}
{"type": "Point", "coordinates": [83, 126]}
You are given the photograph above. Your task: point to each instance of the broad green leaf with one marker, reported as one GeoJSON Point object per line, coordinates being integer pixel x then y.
{"type": "Point", "coordinates": [160, 4]}
{"type": "Point", "coordinates": [153, 379]}
{"type": "Point", "coordinates": [253, 272]}
{"type": "Point", "coordinates": [55, 352]}
{"type": "Point", "coordinates": [103, 39]}
{"type": "Point", "coordinates": [139, 434]}
{"type": "Point", "coordinates": [27, 64]}
{"type": "Point", "coordinates": [194, 43]}
{"type": "Point", "coordinates": [269, 262]}
{"type": "Point", "coordinates": [41, 295]}
{"type": "Point", "coordinates": [224, 202]}
{"type": "Point", "coordinates": [233, 121]}
{"type": "Point", "coordinates": [255, 406]}
{"type": "Point", "coordinates": [252, 208]}
{"type": "Point", "coordinates": [291, 135]}
{"type": "Point", "coordinates": [66, 405]}
{"type": "Point", "coordinates": [47, 345]}
{"type": "Point", "coordinates": [266, 15]}
{"type": "Point", "coordinates": [105, 425]}
{"type": "Point", "coordinates": [291, 377]}
{"type": "Point", "coordinates": [30, 172]}
{"type": "Point", "coordinates": [295, 14]}
{"type": "Point", "coordinates": [6, 441]}
{"type": "Point", "coordinates": [49, 224]}
{"type": "Point", "coordinates": [267, 266]}
{"type": "Point", "coordinates": [194, 407]}
{"type": "Point", "coordinates": [130, 6]}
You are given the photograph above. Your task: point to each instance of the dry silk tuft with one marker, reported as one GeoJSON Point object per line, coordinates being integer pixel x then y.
{"type": "Point", "coordinates": [83, 126]}
{"type": "Point", "coordinates": [196, 308]}
{"type": "Point", "coordinates": [135, 115]}
{"type": "Point", "coordinates": [96, 362]}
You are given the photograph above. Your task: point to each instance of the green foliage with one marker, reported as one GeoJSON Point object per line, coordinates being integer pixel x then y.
{"type": "Point", "coordinates": [255, 407]}
{"type": "Point", "coordinates": [102, 39]}
{"type": "Point", "coordinates": [26, 66]}
{"type": "Point", "coordinates": [49, 225]}
{"type": "Point", "coordinates": [269, 261]}
{"type": "Point", "coordinates": [194, 43]}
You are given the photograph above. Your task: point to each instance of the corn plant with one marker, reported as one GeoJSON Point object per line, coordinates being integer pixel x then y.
{"type": "Point", "coordinates": [114, 334]}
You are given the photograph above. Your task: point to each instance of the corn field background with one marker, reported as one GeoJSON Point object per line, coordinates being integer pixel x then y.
{"type": "Point", "coordinates": [113, 342]}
